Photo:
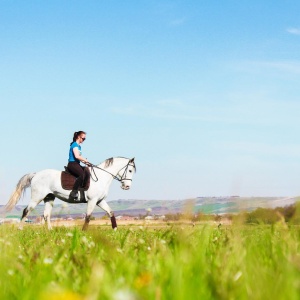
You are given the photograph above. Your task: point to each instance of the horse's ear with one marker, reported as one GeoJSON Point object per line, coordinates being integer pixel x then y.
{"type": "Point", "coordinates": [132, 160]}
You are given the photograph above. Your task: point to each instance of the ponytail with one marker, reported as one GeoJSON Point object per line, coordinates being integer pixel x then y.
{"type": "Point", "coordinates": [75, 136]}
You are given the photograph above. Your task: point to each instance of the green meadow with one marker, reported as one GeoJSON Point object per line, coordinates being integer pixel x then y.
{"type": "Point", "coordinates": [173, 261]}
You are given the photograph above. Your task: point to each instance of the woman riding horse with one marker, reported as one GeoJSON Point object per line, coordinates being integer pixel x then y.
{"type": "Point", "coordinates": [74, 166]}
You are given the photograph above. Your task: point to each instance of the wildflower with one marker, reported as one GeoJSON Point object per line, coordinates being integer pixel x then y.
{"type": "Point", "coordinates": [69, 234]}
{"type": "Point", "coordinates": [143, 280]}
{"type": "Point", "coordinates": [91, 244]}
{"type": "Point", "coordinates": [84, 240]}
{"type": "Point", "coordinates": [59, 295]}
{"type": "Point", "coordinates": [237, 276]}
{"type": "Point", "coordinates": [48, 261]}
{"type": "Point", "coordinates": [124, 295]}
{"type": "Point", "coordinates": [10, 272]}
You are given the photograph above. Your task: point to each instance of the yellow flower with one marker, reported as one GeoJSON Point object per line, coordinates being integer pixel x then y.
{"type": "Point", "coordinates": [63, 295]}
{"type": "Point", "coordinates": [143, 280]}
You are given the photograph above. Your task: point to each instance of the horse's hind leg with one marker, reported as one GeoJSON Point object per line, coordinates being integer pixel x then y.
{"type": "Point", "coordinates": [48, 200]}
{"type": "Point", "coordinates": [26, 211]}
{"type": "Point", "coordinates": [103, 204]}
{"type": "Point", "coordinates": [24, 215]}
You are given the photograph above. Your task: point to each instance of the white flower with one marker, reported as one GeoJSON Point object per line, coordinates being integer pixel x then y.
{"type": "Point", "coordinates": [124, 295]}
{"type": "Point", "coordinates": [91, 244]}
{"type": "Point", "coordinates": [237, 276]}
{"type": "Point", "coordinates": [69, 234]}
{"type": "Point", "coordinates": [10, 272]}
{"type": "Point", "coordinates": [84, 240]}
{"type": "Point", "coordinates": [48, 261]}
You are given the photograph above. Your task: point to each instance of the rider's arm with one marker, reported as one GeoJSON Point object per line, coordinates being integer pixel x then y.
{"type": "Point", "coordinates": [78, 156]}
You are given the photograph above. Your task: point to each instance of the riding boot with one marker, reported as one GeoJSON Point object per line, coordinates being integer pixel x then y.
{"type": "Point", "coordinates": [74, 195]}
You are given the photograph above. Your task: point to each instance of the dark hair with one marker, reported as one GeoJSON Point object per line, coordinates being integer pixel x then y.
{"type": "Point", "coordinates": [76, 134]}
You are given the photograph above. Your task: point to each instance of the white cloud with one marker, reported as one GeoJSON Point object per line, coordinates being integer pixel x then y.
{"type": "Point", "coordinates": [293, 30]}
{"type": "Point", "coordinates": [292, 67]}
{"type": "Point", "coordinates": [287, 66]}
{"type": "Point", "coordinates": [177, 22]}
{"type": "Point", "coordinates": [260, 148]}
{"type": "Point", "coordinates": [240, 107]}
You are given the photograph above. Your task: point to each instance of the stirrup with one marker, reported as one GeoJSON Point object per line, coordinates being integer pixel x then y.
{"type": "Point", "coordinates": [74, 195]}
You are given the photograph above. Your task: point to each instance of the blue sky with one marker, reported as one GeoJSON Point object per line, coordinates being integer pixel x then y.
{"type": "Point", "coordinates": [204, 94]}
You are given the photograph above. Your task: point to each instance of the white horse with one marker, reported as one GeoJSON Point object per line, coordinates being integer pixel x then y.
{"type": "Point", "coordinates": [46, 186]}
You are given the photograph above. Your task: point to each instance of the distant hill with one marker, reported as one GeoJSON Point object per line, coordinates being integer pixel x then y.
{"type": "Point", "coordinates": [208, 205]}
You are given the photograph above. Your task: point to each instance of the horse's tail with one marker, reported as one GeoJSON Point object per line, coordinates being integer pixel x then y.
{"type": "Point", "coordinates": [19, 191]}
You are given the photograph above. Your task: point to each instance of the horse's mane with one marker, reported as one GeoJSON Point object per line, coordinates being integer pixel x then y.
{"type": "Point", "coordinates": [108, 162]}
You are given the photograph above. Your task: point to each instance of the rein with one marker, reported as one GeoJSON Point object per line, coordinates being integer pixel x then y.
{"type": "Point", "coordinates": [120, 178]}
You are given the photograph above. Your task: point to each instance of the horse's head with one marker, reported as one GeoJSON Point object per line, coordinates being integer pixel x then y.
{"type": "Point", "coordinates": [126, 174]}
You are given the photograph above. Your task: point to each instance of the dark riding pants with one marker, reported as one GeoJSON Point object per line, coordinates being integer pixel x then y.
{"type": "Point", "coordinates": [80, 172]}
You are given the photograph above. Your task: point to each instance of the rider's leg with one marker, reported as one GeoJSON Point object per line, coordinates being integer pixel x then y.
{"type": "Point", "coordinates": [86, 175]}
{"type": "Point", "coordinates": [76, 170]}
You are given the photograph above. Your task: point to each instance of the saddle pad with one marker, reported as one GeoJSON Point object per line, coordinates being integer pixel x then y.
{"type": "Point", "coordinates": [68, 180]}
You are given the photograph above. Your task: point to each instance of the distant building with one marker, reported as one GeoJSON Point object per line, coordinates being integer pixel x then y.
{"type": "Point", "coordinates": [11, 220]}
{"type": "Point", "coordinates": [125, 218]}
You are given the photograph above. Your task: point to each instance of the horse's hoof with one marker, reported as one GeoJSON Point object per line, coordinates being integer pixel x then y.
{"type": "Point", "coordinates": [116, 228]}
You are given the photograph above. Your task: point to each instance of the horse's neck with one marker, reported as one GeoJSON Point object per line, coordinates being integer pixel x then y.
{"type": "Point", "coordinates": [117, 164]}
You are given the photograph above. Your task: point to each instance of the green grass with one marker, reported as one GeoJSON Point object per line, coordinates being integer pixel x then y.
{"type": "Point", "coordinates": [179, 262]}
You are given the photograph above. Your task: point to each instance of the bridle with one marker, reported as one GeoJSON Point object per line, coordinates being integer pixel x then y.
{"type": "Point", "coordinates": [116, 177]}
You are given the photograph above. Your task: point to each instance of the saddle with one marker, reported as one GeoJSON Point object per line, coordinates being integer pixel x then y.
{"type": "Point", "coordinates": [68, 180]}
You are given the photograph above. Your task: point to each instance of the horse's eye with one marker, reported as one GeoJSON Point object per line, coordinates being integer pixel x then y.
{"type": "Point", "coordinates": [130, 171]}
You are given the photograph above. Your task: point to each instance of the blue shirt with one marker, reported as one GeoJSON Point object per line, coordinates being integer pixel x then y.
{"type": "Point", "coordinates": [71, 153]}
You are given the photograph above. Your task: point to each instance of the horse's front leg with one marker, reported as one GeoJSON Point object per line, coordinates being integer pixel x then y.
{"type": "Point", "coordinates": [103, 204]}
{"type": "Point", "coordinates": [47, 212]}
{"type": "Point", "coordinates": [90, 208]}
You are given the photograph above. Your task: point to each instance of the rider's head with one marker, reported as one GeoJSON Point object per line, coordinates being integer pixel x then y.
{"type": "Point", "coordinates": [77, 134]}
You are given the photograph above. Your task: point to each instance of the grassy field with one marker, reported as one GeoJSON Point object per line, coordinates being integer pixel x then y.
{"type": "Point", "coordinates": [176, 261]}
